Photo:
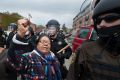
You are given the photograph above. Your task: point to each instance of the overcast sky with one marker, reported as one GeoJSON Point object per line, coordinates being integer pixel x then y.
{"type": "Point", "coordinates": [43, 10]}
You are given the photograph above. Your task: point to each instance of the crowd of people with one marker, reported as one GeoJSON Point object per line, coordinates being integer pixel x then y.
{"type": "Point", "coordinates": [34, 56]}
{"type": "Point", "coordinates": [27, 55]}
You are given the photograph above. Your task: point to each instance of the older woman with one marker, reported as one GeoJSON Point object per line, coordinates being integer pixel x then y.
{"type": "Point", "coordinates": [40, 64]}
{"type": "Point", "coordinates": [32, 63]}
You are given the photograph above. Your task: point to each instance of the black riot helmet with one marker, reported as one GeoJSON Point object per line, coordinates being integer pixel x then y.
{"type": "Point", "coordinates": [53, 23]}
{"type": "Point", "coordinates": [13, 26]}
{"type": "Point", "coordinates": [110, 35]}
{"type": "Point", "coordinates": [106, 6]}
{"type": "Point", "coordinates": [52, 27]}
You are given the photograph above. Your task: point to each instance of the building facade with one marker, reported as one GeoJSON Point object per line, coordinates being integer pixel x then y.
{"type": "Point", "coordinates": [84, 17]}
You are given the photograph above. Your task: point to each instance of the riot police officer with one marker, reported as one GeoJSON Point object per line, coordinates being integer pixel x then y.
{"type": "Point", "coordinates": [58, 44]}
{"type": "Point", "coordinates": [13, 27]}
{"type": "Point", "coordinates": [100, 60]}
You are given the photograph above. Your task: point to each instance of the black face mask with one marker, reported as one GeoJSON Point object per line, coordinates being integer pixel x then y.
{"type": "Point", "coordinates": [112, 31]}
{"type": "Point", "coordinates": [111, 36]}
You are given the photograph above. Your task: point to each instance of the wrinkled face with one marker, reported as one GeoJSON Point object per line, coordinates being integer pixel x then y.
{"type": "Point", "coordinates": [51, 31]}
{"type": "Point", "coordinates": [108, 20]}
{"type": "Point", "coordinates": [44, 45]}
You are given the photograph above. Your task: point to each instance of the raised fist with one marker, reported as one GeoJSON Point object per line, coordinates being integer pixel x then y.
{"type": "Point", "coordinates": [23, 25]}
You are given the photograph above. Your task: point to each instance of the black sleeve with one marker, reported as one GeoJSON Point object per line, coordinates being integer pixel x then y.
{"type": "Point", "coordinates": [76, 69]}
{"type": "Point", "coordinates": [9, 39]}
{"type": "Point", "coordinates": [2, 42]}
{"type": "Point", "coordinates": [68, 51]}
{"type": "Point", "coordinates": [78, 66]}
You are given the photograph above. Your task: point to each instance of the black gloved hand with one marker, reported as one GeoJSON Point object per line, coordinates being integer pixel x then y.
{"type": "Point", "coordinates": [60, 55]}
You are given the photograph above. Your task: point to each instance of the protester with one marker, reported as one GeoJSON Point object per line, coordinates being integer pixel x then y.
{"type": "Point", "coordinates": [19, 45]}
{"type": "Point", "coordinates": [58, 44]}
{"type": "Point", "coordinates": [40, 64]}
{"type": "Point", "coordinates": [99, 60]}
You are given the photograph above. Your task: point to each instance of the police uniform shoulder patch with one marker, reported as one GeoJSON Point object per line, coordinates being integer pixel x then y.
{"type": "Point", "coordinates": [59, 42]}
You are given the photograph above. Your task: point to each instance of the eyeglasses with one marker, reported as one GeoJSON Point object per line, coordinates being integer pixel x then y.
{"type": "Point", "coordinates": [44, 42]}
{"type": "Point", "coordinates": [109, 18]}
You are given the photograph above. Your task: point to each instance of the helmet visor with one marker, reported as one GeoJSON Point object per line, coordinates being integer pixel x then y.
{"type": "Point", "coordinates": [51, 30]}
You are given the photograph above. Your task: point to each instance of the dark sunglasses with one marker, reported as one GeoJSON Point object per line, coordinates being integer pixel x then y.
{"type": "Point", "coordinates": [109, 18]}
